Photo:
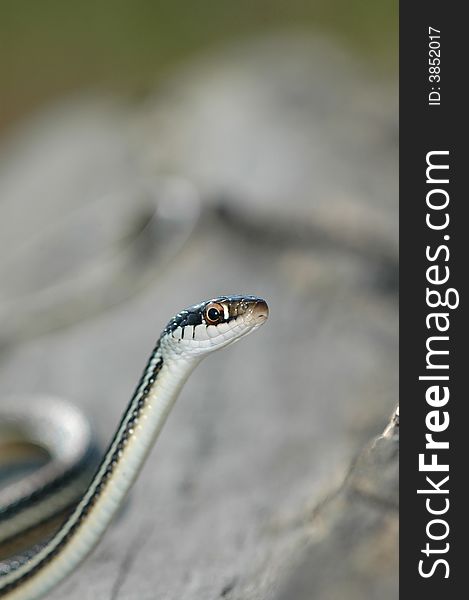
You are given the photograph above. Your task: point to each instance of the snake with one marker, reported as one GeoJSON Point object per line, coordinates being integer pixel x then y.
{"type": "Point", "coordinates": [191, 335]}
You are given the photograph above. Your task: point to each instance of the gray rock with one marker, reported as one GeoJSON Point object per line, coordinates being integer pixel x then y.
{"type": "Point", "coordinates": [355, 532]}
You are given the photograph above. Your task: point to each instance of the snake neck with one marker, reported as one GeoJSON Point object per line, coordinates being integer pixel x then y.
{"type": "Point", "coordinates": [140, 425]}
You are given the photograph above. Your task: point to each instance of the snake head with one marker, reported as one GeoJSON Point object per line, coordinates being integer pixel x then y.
{"type": "Point", "coordinates": [213, 324]}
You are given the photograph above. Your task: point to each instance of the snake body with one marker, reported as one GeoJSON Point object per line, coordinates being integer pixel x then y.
{"type": "Point", "coordinates": [189, 336]}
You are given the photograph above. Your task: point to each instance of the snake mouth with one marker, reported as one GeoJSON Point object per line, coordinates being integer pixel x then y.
{"type": "Point", "coordinates": [260, 311]}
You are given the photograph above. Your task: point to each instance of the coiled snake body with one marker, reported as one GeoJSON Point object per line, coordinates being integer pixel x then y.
{"type": "Point", "coordinates": [189, 336]}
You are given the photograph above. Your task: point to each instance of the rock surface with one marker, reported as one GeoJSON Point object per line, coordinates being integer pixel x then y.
{"type": "Point", "coordinates": [353, 552]}
{"type": "Point", "coordinates": [275, 132]}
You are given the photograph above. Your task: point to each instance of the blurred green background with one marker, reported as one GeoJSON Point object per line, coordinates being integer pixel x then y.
{"type": "Point", "coordinates": [53, 47]}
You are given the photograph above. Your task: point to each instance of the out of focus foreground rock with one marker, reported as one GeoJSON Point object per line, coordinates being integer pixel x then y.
{"type": "Point", "coordinates": [352, 552]}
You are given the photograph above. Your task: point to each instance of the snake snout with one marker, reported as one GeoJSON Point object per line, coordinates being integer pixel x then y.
{"type": "Point", "coordinates": [260, 311]}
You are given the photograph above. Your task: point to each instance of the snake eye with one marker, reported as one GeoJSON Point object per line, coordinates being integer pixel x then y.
{"type": "Point", "coordinates": [213, 313]}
